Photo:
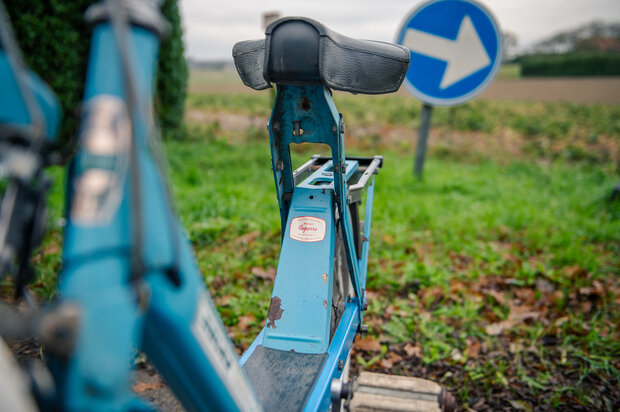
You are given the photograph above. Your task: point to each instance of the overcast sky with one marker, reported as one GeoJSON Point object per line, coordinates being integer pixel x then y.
{"type": "Point", "coordinates": [212, 27]}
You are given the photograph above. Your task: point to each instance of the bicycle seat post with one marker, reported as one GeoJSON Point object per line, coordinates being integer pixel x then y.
{"type": "Point", "coordinates": [308, 114]}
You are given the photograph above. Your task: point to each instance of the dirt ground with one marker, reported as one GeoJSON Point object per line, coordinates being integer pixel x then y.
{"type": "Point", "coordinates": [570, 89]}
{"type": "Point", "coordinates": [587, 90]}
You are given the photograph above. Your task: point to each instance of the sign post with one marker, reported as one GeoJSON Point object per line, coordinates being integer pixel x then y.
{"type": "Point", "coordinates": [456, 51]}
{"type": "Point", "coordinates": [420, 150]}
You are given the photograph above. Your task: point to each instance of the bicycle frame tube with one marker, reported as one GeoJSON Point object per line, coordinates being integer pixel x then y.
{"type": "Point", "coordinates": [172, 319]}
{"type": "Point", "coordinates": [299, 317]}
{"type": "Point", "coordinates": [308, 114]}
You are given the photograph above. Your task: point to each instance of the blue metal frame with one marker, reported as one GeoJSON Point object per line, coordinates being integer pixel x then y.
{"type": "Point", "coordinates": [175, 323]}
{"type": "Point", "coordinates": [339, 349]}
{"type": "Point", "coordinates": [308, 114]}
{"type": "Point", "coordinates": [302, 293]}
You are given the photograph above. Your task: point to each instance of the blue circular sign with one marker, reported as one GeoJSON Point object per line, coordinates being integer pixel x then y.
{"type": "Point", "coordinates": [456, 51]}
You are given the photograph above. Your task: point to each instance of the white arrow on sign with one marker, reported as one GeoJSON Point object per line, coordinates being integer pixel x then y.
{"type": "Point", "coordinates": [465, 55]}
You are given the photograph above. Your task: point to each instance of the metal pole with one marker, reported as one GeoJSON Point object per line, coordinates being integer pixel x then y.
{"type": "Point", "coordinates": [420, 151]}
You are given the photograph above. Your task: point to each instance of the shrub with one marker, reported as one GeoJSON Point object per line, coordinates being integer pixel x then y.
{"type": "Point", "coordinates": [571, 64]}
{"type": "Point", "coordinates": [52, 35]}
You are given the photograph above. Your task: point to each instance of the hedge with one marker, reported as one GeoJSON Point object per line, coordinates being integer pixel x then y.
{"type": "Point", "coordinates": [571, 64]}
{"type": "Point", "coordinates": [55, 42]}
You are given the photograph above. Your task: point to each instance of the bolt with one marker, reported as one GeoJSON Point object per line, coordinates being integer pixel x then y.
{"type": "Point", "coordinates": [363, 329]}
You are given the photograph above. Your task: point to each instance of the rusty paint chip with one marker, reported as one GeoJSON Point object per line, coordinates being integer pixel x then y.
{"type": "Point", "coordinates": [325, 277]}
{"type": "Point", "coordinates": [325, 303]}
{"type": "Point", "coordinates": [275, 312]}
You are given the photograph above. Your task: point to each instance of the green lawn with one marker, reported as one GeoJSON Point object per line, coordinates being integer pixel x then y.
{"type": "Point", "coordinates": [492, 267]}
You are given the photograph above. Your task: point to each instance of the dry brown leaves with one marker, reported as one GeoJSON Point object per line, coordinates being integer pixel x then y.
{"type": "Point", "coordinates": [245, 321]}
{"type": "Point", "coordinates": [367, 344]}
{"type": "Point", "coordinates": [266, 274]}
{"type": "Point", "coordinates": [390, 360]}
{"type": "Point", "coordinates": [413, 350]}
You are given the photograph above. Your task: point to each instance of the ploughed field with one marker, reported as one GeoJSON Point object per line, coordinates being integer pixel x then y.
{"type": "Point", "coordinates": [508, 86]}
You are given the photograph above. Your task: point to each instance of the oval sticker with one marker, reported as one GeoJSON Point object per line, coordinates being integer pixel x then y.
{"type": "Point", "coordinates": [307, 229]}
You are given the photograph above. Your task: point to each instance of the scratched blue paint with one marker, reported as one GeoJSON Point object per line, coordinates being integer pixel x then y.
{"type": "Point", "coordinates": [304, 294]}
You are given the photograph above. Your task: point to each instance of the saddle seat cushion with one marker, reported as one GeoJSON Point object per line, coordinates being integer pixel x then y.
{"type": "Point", "coordinates": [302, 51]}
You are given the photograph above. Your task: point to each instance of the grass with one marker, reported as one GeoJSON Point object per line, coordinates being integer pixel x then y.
{"type": "Point", "coordinates": [539, 233]}
{"type": "Point", "coordinates": [199, 78]}
{"type": "Point", "coordinates": [556, 130]}
{"type": "Point", "coordinates": [498, 272]}
{"type": "Point", "coordinates": [509, 71]}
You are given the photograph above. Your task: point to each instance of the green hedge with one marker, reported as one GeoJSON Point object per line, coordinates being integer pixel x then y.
{"type": "Point", "coordinates": [55, 42]}
{"type": "Point", "coordinates": [571, 64]}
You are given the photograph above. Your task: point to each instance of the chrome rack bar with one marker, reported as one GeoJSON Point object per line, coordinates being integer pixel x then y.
{"type": "Point", "coordinates": [355, 191]}
{"type": "Point", "coordinates": [305, 170]}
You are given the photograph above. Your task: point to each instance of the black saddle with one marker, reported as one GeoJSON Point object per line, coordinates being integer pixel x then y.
{"type": "Point", "coordinates": [301, 51]}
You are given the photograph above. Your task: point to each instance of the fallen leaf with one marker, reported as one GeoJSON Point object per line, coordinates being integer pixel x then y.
{"type": "Point", "coordinates": [429, 294]}
{"type": "Point", "coordinates": [522, 312]}
{"type": "Point", "coordinates": [515, 347]}
{"type": "Point", "coordinates": [456, 355]}
{"type": "Point", "coordinates": [374, 294]}
{"type": "Point", "coordinates": [391, 359]}
{"type": "Point", "coordinates": [222, 300]}
{"type": "Point", "coordinates": [456, 286]}
{"type": "Point", "coordinates": [388, 311]}
{"type": "Point", "coordinates": [575, 272]}
{"type": "Point", "coordinates": [144, 386]}
{"type": "Point", "coordinates": [373, 321]}
{"type": "Point", "coordinates": [586, 306]}
{"type": "Point", "coordinates": [473, 348]}
{"type": "Point", "coordinates": [498, 296]}
{"type": "Point", "coordinates": [495, 329]}
{"type": "Point", "coordinates": [368, 345]}
{"type": "Point", "coordinates": [598, 288]}
{"type": "Point", "coordinates": [412, 350]}
{"type": "Point", "coordinates": [461, 262]}
{"type": "Point", "coordinates": [268, 274]}
{"type": "Point", "coordinates": [249, 237]}
{"type": "Point", "coordinates": [517, 315]}
{"type": "Point", "coordinates": [526, 295]}
{"type": "Point", "coordinates": [521, 405]}
{"type": "Point", "coordinates": [544, 286]}
{"type": "Point", "coordinates": [245, 321]}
